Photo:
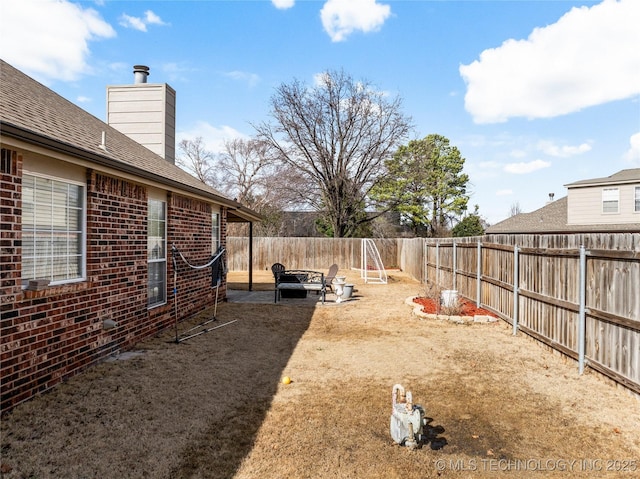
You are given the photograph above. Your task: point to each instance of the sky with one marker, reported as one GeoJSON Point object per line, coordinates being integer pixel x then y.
{"type": "Point", "coordinates": [534, 94]}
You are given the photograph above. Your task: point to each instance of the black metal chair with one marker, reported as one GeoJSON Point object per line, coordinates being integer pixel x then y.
{"type": "Point", "coordinates": [277, 269]}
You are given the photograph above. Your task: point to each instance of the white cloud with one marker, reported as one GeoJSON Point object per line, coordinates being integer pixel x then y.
{"type": "Point", "coordinates": [213, 137]}
{"type": "Point", "coordinates": [528, 167]}
{"type": "Point", "coordinates": [341, 18]}
{"type": "Point", "coordinates": [633, 154]}
{"type": "Point", "coordinates": [504, 192]}
{"type": "Point", "coordinates": [140, 23]}
{"type": "Point", "coordinates": [565, 151]}
{"type": "Point", "coordinates": [250, 78]}
{"type": "Point", "coordinates": [153, 19]}
{"type": "Point", "coordinates": [133, 22]}
{"type": "Point", "coordinates": [517, 153]}
{"type": "Point", "coordinates": [588, 57]}
{"type": "Point", "coordinates": [32, 39]}
{"type": "Point", "coordinates": [283, 4]}
{"type": "Point", "coordinates": [83, 99]}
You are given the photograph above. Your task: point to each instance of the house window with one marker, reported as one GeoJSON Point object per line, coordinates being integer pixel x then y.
{"type": "Point", "coordinates": [52, 230]}
{"type": "Point", "coordinates": [610, 200]}
{"type": "Point", "coordinates": [157, 253]}
{"type": "Point", "coordinates": [215, 232]}
{"type": "Point", "coordinates": [637, 198]}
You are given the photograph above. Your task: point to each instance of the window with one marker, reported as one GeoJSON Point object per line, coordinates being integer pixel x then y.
{"type": "Point", "coordinates": [215, 232]}
{"type": "Point", "coordinates": [52, 230]}
{"type": "Point", "coordinates": [637, 198]}
{"type": "Point", "coordinates": [157, 253]}
{"type": "Point", "coordinates": [610, 200]}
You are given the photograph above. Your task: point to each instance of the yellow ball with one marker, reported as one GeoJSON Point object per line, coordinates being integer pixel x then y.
{"type": "Point", "coordinates": [286, 380]}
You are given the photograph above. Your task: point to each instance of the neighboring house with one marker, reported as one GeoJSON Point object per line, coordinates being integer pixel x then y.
{"type": "Point", "coordinates": [599, 205]}
{"type": "Point", "coordinates": [89, 218]}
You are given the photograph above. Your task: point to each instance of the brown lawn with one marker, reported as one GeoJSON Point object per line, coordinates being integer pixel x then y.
{"type": "Point", "coordinates": [214, 406]}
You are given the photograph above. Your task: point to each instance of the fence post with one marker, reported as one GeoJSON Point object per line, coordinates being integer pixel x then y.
{"type": "Point", "coordinates": [581, 314]}
{"type": "Point", "coordinates": [438, 264]}
{"type": "Point", "coordinates": [455, 262]}
{"type": "Point", "coordinates": [425, 261]}
{"type": "Point", "coordinates": [516, 281]}
{"type": "Point", "coordinates": [479, 275]}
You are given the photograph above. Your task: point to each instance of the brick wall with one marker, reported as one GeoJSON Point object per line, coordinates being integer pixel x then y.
{"type": "Point", "coordinates": [49, 335]}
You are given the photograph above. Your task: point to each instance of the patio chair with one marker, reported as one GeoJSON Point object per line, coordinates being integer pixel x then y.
{"type": "Point", "coordinates": [276, 269]}
{"type": "Point", "coordinates": [330, 276]}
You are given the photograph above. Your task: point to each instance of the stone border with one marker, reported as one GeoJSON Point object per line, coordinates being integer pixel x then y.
{"type": "Point", "coordinates": [478, 318]}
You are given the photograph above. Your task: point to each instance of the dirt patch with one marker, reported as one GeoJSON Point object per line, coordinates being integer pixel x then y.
{"type": "Point", "coordinates": [214, 406]}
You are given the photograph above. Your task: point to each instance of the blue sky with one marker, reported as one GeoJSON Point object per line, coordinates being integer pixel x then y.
{"type": "Point", "coordinates": [535, 94]}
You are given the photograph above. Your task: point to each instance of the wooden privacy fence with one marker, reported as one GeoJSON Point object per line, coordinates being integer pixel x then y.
{"type": "Point", "coordinates": [582, 302]}
{"type": "Point", "coordinates": [304, 253]}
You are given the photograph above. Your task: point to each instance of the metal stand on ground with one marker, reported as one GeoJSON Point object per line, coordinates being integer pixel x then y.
{"type": "Point", "coordinates": [217, 273]}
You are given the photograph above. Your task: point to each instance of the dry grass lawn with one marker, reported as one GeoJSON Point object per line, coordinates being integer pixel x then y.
{"type": "Point", "coordinates": [214, 406]}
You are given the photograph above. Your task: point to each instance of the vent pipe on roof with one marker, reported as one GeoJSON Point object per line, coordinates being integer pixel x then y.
{"type": "Point", "coordinates": [140, 73]}
{"type": "Point", "coordinates": [551, 195]}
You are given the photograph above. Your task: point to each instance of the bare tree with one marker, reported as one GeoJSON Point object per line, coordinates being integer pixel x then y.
{"type": "Point", "coordinates": [336, 136]}
{"type": "Point", "coordinates": [514, 209]}
{"type": "Point", "coordinates": [197, 160]}
{"type": "Point", "coordinates": [249, 174]}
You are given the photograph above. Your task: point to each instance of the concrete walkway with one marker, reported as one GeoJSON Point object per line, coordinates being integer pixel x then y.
{"type": "Point", "coordinates": [267, 297]}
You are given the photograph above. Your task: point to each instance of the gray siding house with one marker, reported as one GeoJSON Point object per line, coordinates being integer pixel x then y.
{"type": "Point", "coordinates": [599, 205]}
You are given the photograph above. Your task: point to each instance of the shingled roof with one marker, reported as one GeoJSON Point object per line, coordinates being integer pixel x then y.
{"type": "Point", "coordinates": [631, 175]}
{"type": "Point", "coordinates": [31, 112]}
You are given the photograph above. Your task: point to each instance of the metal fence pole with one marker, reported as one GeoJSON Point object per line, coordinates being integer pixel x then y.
{"type": "Point", "coordinates": [516, 281]}
{"type": "Point", "coordinates": [437, 264]}
{"type": "Point", "coordinates": [581, 314]}
{"type": "Point", "coordinates": [455, 261]}
{"type": "Point", "coordinates": [479, 275]}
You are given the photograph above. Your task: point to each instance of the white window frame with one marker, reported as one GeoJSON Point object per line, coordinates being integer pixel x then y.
{"type": "Point", "coordinates": [156, 255]}
{"type": "Point", "coordinates": [610, 198]}
{"type": "Point", "coordinates": [215, 231]}
{"type": "Point", "coordinates": [637, 199]}
{"type": "Point", "coordinates": [44, 236]}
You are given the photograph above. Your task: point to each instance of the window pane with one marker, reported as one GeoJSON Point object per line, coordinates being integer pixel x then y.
{"type": "Point", "coordinates": [155, 248]}
{"type": "Point", "coordinates": [610, 207]}
{"type": "Point", "coordinates": [43, 217]}
{"type": "Point", "coordinates": [43, 245]}
{"type": "Point", "coordinates": [156, 289]}
{"type": "Point", "coordinates": [75, 219]}
{"type": "Point", "coordinates": [43, 190]}
{"type": "Point", "coordinates": [42, 267]}
{"type": "Point", "coordinates": [60, 268]}
{"type": "Point", "coordinates": [27, 215]}
{"type": "Point", "coordinates": [28, 246]}
{"type": "Point", "coordinates": [75, 196]}
{"type": "Point", "coordinates": [59, 218]}
{"type": "Point", "coordinates": [28, 184]}
{"type": "Point", "coordinates": [75, 266]}
{"type": "Point", "coordinates": [637, 199]}
{"type": "Point", "coordinates": [59, 194]}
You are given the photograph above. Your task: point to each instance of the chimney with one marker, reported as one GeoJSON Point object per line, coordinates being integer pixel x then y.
{"type": "Point", "coordinates": [145, 112]}
{"type": "Point", "coordinates": [140, 74]}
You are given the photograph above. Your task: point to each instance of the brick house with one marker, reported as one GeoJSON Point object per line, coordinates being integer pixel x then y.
{"type": "Point", "coordinates": [598, 205]}
{"type": "Point", "coordinates": [88, 220]}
